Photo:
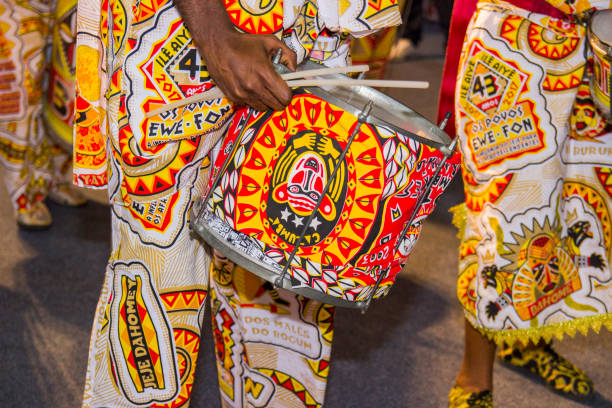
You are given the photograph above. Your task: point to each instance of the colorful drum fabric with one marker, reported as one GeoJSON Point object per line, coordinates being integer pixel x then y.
{"type": "Point", "coordinates": [536, 230]}
{"type": "Point", "coordinates": [59, 102]}
{"type": "Point", "coordinates": [277, 171]}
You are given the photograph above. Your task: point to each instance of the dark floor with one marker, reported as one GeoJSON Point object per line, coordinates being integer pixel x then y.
{"type": "Point", "coordinates": [404, 352]}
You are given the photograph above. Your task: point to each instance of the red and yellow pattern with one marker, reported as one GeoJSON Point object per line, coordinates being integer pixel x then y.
{"type": "Point", "coordinates": [187, 347]}
{"type": "Point", "coordinates": [134, 314]}
{"type": "Point", "coordinates": [261, 17]}
{"type": "Point", "coordinates": [600, 204]}
{"type": "Point", "coordinates": [477, 195]}
{"type": "Point", "coordinates": [292, 385]}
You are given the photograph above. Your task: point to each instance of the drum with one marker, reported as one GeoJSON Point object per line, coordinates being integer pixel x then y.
{"type": "Point", "coordinates": [59, 102]}
{"type": "Point", "coordinates": [327, 197]}
{"type": "Point", "coordinates": [600, 39]}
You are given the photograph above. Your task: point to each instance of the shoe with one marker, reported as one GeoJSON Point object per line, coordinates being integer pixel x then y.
{"type": "Point", "coordinates": [401, 49]}
{"type": "Point", "coordinates": [558, 373]}
{"type": "Point", "coordinates": [37, 217]}
{"type": "Point", "coordinates": [461, 398]}
{"type": "Point", "coordinates": [65, 194]}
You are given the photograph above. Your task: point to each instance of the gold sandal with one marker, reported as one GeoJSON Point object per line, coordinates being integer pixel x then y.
{"type": "Point", "coordinates": [544, 363]}
{"type": "Point", "coordinates": [461, 398]}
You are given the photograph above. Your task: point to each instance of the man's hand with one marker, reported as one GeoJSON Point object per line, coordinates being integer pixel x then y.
{"type": "Point", "coordinates": [240, 64]}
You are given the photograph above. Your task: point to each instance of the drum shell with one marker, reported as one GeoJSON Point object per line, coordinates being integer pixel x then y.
{"type": "Point", "coordinates": [356, 240]}
{"type": "Point", "coordinates": [602, 58]}
{"type": "Point", "coordinates": [58, 112]}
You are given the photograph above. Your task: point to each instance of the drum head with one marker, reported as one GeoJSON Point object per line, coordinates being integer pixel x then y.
{"type": "Point", "coordinates": [386, 111]}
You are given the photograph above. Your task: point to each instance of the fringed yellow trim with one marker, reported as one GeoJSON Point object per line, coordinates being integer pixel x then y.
{"type": "Point", "coordinates": [459, 218]}
{"type": "Point", "coordinates": [557, 330]}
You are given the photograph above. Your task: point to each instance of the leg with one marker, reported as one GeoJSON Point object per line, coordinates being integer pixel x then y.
{"type": "Point", "coordinates": [272, 346]}
{"type": "Point", "coordinates": [146, 333]}
{"type": "Point", "coordinates": [24, 150]}
{"type": "Point", "coordinates": [475, 380]}
{"type": "Point", "coordinates": [476, 373]}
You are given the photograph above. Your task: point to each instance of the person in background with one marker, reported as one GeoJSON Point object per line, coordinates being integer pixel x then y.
{"type": "Point", "coordinates": [34, 166]}
{"type": "Point", "coordinates": [411, 32]}
{"type": "Point", "coordinates": [534, 258]}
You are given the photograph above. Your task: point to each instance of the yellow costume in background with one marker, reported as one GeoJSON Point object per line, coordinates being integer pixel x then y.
{"type": "Point", "coordinates": [536, 230]}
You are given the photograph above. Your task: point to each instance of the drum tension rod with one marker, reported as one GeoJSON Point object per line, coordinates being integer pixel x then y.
{"type": "Point", "coordinates": [362, 118]}
{"type": "Point", "coordinates": [451, 148]}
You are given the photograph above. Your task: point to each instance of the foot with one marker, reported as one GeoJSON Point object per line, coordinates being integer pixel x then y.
{"type": "Point", "coordinates": [461, 398]}
{"type": "Point", "coordinates": [558, 373]}
{"type": "Point", "coordinates": [66, 194]}
{"type": "Point", "coordinates": [37, 217]}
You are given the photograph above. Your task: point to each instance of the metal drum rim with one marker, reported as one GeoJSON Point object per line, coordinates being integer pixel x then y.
{"type": "Point", "coordinates": [250, 264]}
{"type": "Point", "coordinates": [372, 119]}
{"type": "Point", "coordinates": [597, 43]}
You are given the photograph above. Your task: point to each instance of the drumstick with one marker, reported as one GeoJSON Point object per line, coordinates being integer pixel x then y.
{"type": "Point", "coordinates": [216, 93]}
{"type": "Point", "coordinates": [382, 83]}
{"type": "Point", "coordinates": [325, 71]}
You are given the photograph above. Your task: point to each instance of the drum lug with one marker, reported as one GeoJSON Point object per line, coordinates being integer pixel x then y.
{"type": "Point", "coordinates": [364, 306]}
{"type": "Point", "coordinates": [450, 149]}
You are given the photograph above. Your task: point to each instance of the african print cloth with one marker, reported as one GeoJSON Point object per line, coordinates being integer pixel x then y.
{"type": "Point", "coordinates": [354, 243]}
{"type": "Point", "coordinates": [272, 347]}
{"type": "Point", "coordinates": [151, 61]}
{"type": "Point", "coordinates": [30, 160]}
{"type": "Point", "coordinates": [536, 234]}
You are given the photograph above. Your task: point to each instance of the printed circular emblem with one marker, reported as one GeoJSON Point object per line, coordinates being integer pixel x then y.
{"type": "Point", "coordinates": [298, 181]}
{"type": "Point", "coordinates": [164, 67]}
{"type": "Point", "coordinates": [549, 44]}
{"type": "Point", "coordinates": [290, 160]}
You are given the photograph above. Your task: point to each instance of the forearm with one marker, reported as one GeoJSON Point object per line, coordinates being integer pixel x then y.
{"type": "Point", "coordinates": [239, 64]}
{"type": "Point", "coordinates": [207, 21]}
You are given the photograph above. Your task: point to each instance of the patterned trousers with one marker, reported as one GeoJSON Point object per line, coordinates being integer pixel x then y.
{"type": "Point", "coordinates": [272, 347]}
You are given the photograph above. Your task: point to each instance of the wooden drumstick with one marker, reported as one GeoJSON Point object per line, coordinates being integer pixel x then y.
{"type": "Point", "coordinates": [216, 93]}
{"type": "Point", "coordinates": [381, 83]}
{"type": "Point", "coordinates": [325, 71]}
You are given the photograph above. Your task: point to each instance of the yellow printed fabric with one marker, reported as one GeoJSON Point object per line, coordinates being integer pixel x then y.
{"type": "Point", "coordinates": [154, 62]}
{"type": "Point", "coordinates": [536, 231]}
{"type": "Point", "coordinates": [272, 347]}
